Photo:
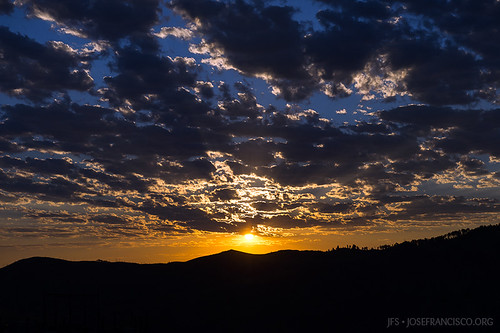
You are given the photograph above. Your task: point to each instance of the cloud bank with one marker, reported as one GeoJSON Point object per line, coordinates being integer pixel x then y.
{"type": "Point", "coordinates": [160, 150]}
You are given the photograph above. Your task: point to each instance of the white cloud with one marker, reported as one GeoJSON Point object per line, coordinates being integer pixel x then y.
{"type": "Point", "coordinates": [177, 32]}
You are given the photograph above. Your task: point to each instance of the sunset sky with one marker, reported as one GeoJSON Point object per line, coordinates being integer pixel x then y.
{"type": "Point", "coordinates": [151, 131]}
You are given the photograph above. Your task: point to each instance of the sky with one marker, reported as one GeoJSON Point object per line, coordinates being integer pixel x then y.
{"type": "Point", "coordinates": [155, 131]}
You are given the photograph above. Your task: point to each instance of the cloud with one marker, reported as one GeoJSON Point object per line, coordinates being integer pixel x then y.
{"type": "Point", "coordinates": [444, 53]}
{"type": "Point", "coordinates": [264, 167]}
{"type": "Point", "coordinates": [272, 47]}
{"type": "Point", "coordinates": [6, 7]}
{"type": "Point", "coordinates": [351, 42]}
{"type": "Point", "coordinates": [177, 32]}
{"type": "Point", "coordinates": [376, 47]}
{"type": "Point", "coordinates": [467, 131]}
{"type": "Point", "coordinates": [145, 79]}
{"type": "Point", "coordinates": [166, 151]}
{"type": "Point", "coordinates": [257, 40]}
{"type": "Point", "coordinates": [425, 208]}
{"type": "Point", "coordinates": [35, 71]}
{"type": "Point", "coordinates": [110, 219]}
{"type": "Point", "coordinates": [55, 189]}
{"type": "Point", "coordinates": [110, 20]}
{"type": "Point", "coordinates": [437, 74]}
{"type": "Point", "coordinates": [205, 89]}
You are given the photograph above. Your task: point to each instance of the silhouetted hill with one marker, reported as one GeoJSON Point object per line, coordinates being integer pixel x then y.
{"type": "Point", "coordinates": [343, 290]}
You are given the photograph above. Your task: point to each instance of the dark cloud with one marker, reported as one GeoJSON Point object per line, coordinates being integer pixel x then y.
{"type": "Point", "coordinates": [110, 20]}
{"type": "Point", "coordinates": [442, 60]}
{"type": "Point", "coordinates": [367, 127]}
{"type": "Point", "coordinates": [255, 152]}
{"type": "Point", "coordinates": [58, 216]}
{"type": "Point", "coordinates": [284, 221]}
{"type": "Point", "coordinates": [425, 165]}
{"type": "Point", "coordinates": [347, 43]}
{"type": "Point", "coordinates": [65, 168]}
{"type": "Point", "coordinates": [288, 221]}
{"type": "Point", "coordinates": [437, 74]}
{"type": "Point", "coordinates": [245, 106]}
{"type": "Point", "coordinates": [55, 189]}
{"type": "Point", "coordinates": [468, 131]}
{"type": "Point", "coordinates": [428, 117]}
{"type": "Point", "coordinates": [110, 219]}
{"type": "Point", "coordinates": [175, 155]}
{"type": "Point", "coordinates": [185, 217]}
{"type": "Point", "coordinates": [101, 133]}
{"type": "Point", "coordinates": [309, 152]}
{"type": "Point", "coordinates": [447, 55]}
{"type": "Point", "coordinates": [6, 7]}
{"type": "Point", "coordinates": [439, 207]}
{"type": "Point", "coordinates": [473, 166]}
{"type": "Point", "coordinates": [48, 166]}
{"type": "Point", "coordinates": [473, 24]}
{"type": "Point", "coordinates": [147, 79]}
{"type": "Point", "coordinates": [7, 198]}
{"type": "Point", "coordinates": [123, 150]}
{"type": "Point", "coordinates": [332, 208]}
{"type": "Point", "coordinates": [266, 206]}
{"type": "Point", "coordinates": [256, 39]}
{"type": "Point", "coordinates": [70, 126]}
{"type": "Point", "coordinates": [34, 71]}
{"type": "Point", "coordinates": [225, 194]}
{"type": "Point", "coordinates": [205, 89]}
{"type": "Point", "coordinates": [319, 158]}
{"type": "Point", "coordinates": [365, 9]}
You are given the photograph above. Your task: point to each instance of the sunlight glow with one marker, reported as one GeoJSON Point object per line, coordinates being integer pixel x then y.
{"type": "Point", "coordinates": [249, 237]}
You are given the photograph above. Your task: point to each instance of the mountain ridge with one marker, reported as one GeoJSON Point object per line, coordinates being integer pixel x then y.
{"type": "Point", "coordinates": [463, 233]}
{"type": "Point", "coordinates": [345, 289]}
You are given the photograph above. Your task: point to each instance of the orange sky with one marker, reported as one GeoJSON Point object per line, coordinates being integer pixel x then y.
{"type": "Point", "coordinates": [189, 247]}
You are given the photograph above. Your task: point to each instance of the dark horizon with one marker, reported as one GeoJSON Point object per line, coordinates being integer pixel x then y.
{"type": "Point", "coordinates": [347, 289]}
{"type": "Point", "coordinates": [454, 234]}
{"type": "Point", "coordinates": [156, 131]}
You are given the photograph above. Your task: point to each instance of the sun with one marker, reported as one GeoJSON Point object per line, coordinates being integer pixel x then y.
{"type": "Point", "coordinates": [249, 237]}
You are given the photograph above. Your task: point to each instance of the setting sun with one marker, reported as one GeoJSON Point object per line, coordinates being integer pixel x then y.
{"type": "Point", "coordinates": [249, 237]}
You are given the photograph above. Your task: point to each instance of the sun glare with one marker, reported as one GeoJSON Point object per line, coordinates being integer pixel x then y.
{"type": "Point", "coordinates": [249, 237]}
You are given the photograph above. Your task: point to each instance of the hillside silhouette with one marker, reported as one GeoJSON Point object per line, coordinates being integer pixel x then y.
{"type": "Point", "coordinates": [341, 290]}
